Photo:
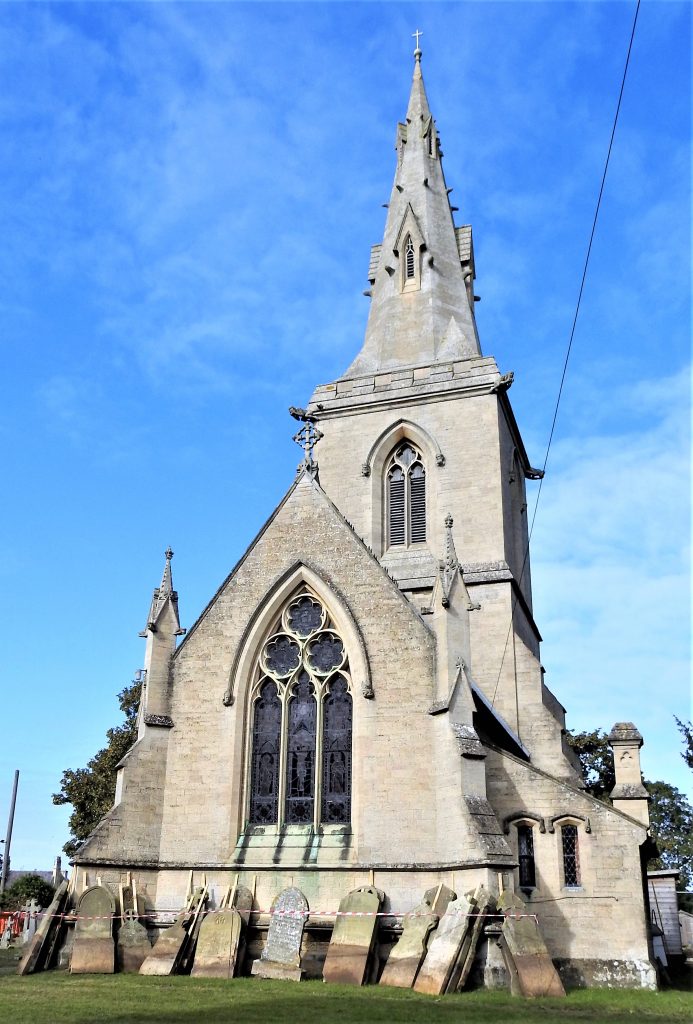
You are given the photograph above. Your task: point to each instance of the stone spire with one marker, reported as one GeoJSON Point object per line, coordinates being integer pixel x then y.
{"type": "Point", "coordinates": [421, 276]}
{"type": "Point", "coordinates": [162, 594]}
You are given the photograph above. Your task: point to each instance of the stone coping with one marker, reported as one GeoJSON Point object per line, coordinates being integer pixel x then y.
{"type": "Point", "coordinates": [478, 375]}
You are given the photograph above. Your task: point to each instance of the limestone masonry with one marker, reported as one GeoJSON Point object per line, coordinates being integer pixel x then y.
{"type": "Point", "coordinates": [361, 706]}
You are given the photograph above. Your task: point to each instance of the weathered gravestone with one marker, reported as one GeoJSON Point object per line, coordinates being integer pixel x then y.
{"type": "Point", "coordinates": [39, 951]}
{"type": "Point", "coordinates": [172, 945]}
{"type": "Point", "coordinates": [353, 935]}
{"type": "Point", "coordinates": [444, 948]}
{"type": "Point", "coordinates": [133, 945]}
{"type": "Point", "coordinates": [467, 952]}
{"type": "Point", "coordinates": [281, 957]}
{"type": "Point", "coordinates": [93, 950]}
{"type": "Point", "coordinates": [220, 938]}
{"type": "Point", "coordinates": [405, 958]}
{"type": "Point", "coordinates": [524, 950]}
{"type": "Point", "coordinates": [6, 937]}
{"type": "Point", "coordinates": [31, 911]}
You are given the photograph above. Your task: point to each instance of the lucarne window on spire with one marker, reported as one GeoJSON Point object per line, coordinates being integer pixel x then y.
{"type": "Point", "coordinates": [405, 479]}
{"type": "Point", "coordinates": [410, 258]}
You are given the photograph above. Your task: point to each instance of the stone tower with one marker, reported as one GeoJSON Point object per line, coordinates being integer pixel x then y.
{"type": "Point", "coordinates": [421, 377]}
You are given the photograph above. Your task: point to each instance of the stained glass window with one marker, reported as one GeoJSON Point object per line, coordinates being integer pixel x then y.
{"type": "Point", "coordinates": [525, 843]}
{"type": "Point", "coordinates": [336, 754]}
{"type": "Point", "coordinates": [264, 788]}
{"type": "Point", "coordinates": [571, 858]}
{"type": "Point", "coordinates": [302, 663]}
{"type": "Point", "coordinates": [300, 760]}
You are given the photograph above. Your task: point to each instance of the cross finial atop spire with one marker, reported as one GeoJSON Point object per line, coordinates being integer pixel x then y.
{"type": "Point", "coordinates": [417, 51]}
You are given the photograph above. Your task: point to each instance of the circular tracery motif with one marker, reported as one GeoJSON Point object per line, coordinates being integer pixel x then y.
{"type": "Point", "coordinates": [305, 616]}
{"type": "Point", "coordinates": [282, 655]}
{"type": "Point", "coordinates": [325, 653]}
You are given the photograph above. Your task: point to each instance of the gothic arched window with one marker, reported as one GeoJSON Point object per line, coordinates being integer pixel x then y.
{"type": "Point", "coordinates": [525, 851]}
{"type": "Point", "coordinates": [300, 759]}
{"type": "Point", "coordinates": [406, 497]}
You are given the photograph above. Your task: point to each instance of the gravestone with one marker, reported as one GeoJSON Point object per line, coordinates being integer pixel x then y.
{"type": "Point", "coordinates": [133, 945]}
{"type": "Point", "coordinates": [352, 939]}
{"type": "Point", "coordinates": [467, 952]}
{"type": "Point", "coordinates": [39, 951]}
{"type": "Point", "coordinates": [527, 958]}
{"type": "Point", "coordinates": [281, 957]}
{"type": "Point", "coordinates": [31, 911]}
{"type": "Point", "coordinates": [6, 934]}
{"type": "Point", "coordinates": [217, 944]}
{"type": "Point", "coordinates": [93, 951]}
{"type": "Point", "coordinates": [405, 958]}
{"type": "Point", "coordinates": [171, 945]}
{"type": "Point", "coordinates": [220, 944]}
{"type": "Point", "coordinates": [444, 948]}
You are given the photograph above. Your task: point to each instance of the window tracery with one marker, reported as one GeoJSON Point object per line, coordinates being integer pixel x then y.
{"type": "Point", "coordinates": [301, 733]}
{"type": "Point", "coordinates": [406, 497]}
{"type": "Point", "coordinates": [571, 856]}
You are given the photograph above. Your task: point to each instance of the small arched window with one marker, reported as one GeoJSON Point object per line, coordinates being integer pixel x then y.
{"type": "Point", "coordinates": [300, 774]}
{"type": "Point", "coordinates": [571, 856]}
{"type": "Point", "coordinates": [525, 856]}
{"type": "Point", "coordinates": [406, 497]}
{"type": "Point", "coordinates": [409, 259]}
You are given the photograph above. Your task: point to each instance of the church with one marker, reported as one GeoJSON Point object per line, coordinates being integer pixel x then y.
{"type": "Point", "coordinates": [362, 701]}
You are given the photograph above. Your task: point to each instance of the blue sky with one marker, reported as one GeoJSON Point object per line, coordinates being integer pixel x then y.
{"type": "Point", "coordinates": [190, 194]}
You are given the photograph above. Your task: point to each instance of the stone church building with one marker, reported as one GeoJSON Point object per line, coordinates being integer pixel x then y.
{"type": "Point", "coordinates": [362, 701]}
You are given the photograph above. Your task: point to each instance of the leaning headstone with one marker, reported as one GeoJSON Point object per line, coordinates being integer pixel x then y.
{"type": "Point", "coordinates": [353, 935]}
{"type": "Point", "coordinates": [219, 944]}
{"type": "Point", "coordinates": [465, 958]}
{"type": "Point", "coordinates": [405, 958]}
{"type": "Point", "coordinates": [170, 947]}
{"type": "Point", "coordinates": [133, 945]}
{"type": "Point", "coordinates": [39, 951]}
{"type": "Point", "coordinates": [281, 957]}
{"type": "Point", "coordinates": [444, 948]}
{"type": "Point", "coordinates": [93, 951]}
{"type": "Point", "coordinates": [525, 951]}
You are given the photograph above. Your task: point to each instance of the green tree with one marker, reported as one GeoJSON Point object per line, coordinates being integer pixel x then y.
{"type": "Point", "coordinates": [671, 823]}
{"type": "Point", "coordinates": [596, 760]}
{"type": "Point", "coordinates": [26, 888]}
{"type": "Point", "coordinates": [686, 730]}
{"type": "Point", "coordinates": [91, 790]}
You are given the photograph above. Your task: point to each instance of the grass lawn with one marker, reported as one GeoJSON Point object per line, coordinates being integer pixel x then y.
{"type": "Point", "coordinates": [58, 998]}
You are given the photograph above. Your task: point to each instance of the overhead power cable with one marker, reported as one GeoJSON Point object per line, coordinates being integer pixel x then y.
{"type": "Point", "coordinates": [570, 341]}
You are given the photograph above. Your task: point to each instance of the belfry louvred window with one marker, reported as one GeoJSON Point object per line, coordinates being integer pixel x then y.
{"type": "Point", "coordinates": [409, 259]}
{"type": "Point", "coordinates": [406, 497]}
{"type": "Point", "coordinates": [301, 729]}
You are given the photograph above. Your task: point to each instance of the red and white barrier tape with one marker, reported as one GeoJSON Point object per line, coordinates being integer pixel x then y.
{"type": "Point", "coordinates": [301, 914]}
